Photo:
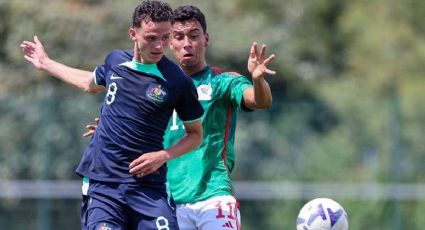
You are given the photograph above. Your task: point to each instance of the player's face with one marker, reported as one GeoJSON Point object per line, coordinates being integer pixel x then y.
{"type": "Point", "coordinates": [188, 44]}
{"type": "Point", "coordinates": [152, 38]}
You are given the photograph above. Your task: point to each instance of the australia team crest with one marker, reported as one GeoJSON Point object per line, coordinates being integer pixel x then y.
{"type": "Point", "coordinates": [156, 92]}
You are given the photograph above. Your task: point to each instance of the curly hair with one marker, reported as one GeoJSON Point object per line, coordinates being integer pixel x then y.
{"type": "Point", "coordinates": [185, 13]}
{"type": "Point", "coordinates": [152, 10]}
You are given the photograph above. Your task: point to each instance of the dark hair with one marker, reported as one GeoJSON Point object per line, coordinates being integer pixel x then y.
{"type": "Point", "coordinates": [152, 10]}
{"type": "Point", "coordinates": [185, 13]}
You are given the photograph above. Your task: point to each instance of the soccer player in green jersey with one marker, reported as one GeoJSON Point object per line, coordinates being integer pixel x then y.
{"type": "Point", "coordinates": [200, 181]}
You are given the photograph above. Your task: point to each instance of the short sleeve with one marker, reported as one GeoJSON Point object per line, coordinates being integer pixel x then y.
{"type": "Point", "coordinates": [100, 75]}
{"type": "Point", "coordinates": [238, 85]}
{"type": "Point", "coordinates": [188, 107]}
{"type": "Point", "coordinates": [115, 57]}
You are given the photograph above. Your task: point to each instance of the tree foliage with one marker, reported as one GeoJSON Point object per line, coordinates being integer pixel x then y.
{"type": "Point", "coordinates": [347, 98]}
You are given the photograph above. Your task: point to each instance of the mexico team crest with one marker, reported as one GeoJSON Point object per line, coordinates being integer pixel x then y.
{"type": "Point", "coordinates": [204, 92]}
{"type": "Point", "coordinates": [156, 92]}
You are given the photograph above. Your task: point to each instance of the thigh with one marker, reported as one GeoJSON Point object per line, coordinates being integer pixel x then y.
{"type": "Point", "coordinates": [151, 209]}
{"type": "Point", "coordinates": [103, 208]}
{"type": "Point", "coordinates": [141, 222]}
{"type": "Point", "coordinates": [101, 216]}
{"type": "Point", "coordinates": [220, 212]}
{"type": "Point", "coordinates": [185, 217]}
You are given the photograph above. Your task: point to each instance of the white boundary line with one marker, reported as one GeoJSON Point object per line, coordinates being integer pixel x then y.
{"type": "Point", "coordinates": [246, 190]}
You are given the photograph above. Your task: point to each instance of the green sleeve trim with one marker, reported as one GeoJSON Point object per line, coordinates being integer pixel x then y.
{"type": "Point", "coordinates": [145, 68]}
{"type": "Point", "coordinates": [86, 180]}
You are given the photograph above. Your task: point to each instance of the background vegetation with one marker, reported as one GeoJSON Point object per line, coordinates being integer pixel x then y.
{"type": "Point", "coordinates": [348, 100]}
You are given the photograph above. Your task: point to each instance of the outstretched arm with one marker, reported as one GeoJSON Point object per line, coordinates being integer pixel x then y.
{"type": "Point", "coordinates": [34, 53]}
{"type": "Point", "coordinates": [260, 96]}
{"type": "Point", "coordinates": [150, 162]}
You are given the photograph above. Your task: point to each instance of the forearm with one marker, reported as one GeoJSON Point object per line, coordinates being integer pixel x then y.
{"type": "Point", "coordinates": [150, 162]}
{"type": "Point", "coordinates": [186, 144]}
{"type": "Point", "coordinates": [78, 78]}
{"type": "Point", "coordinates": [262, 94]}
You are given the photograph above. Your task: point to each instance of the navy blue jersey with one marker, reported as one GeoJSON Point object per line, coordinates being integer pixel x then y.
{"type": "Point", "coordinates": [139, 102]}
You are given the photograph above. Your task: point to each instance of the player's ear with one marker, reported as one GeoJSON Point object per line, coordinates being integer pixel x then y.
{"type": "Point", "coordinates": [132, 33]}
{"type": "Point", "coordinates": [207, 39]}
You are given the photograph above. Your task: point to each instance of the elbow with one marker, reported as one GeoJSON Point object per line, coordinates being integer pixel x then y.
{"type": "Point", "coordinates": [87, 87]}
{"type": "Point", "coordinates": [89, 90]}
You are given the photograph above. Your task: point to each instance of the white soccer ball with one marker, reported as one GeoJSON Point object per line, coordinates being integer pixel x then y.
{"type": "Point", "coordinates": [322, 214]}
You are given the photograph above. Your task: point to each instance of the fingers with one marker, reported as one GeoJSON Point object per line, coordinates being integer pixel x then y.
{"type": "Point", "coordinates": [88, 133]}
{"type": "Point", "coordinates": [136, 165]}
{"type": "Point", "coordinates": [263, 52]}
{"type": "Point", "coordinates": [97, 120]}
{"type": "Point", "coordinates": [270, 72]}
{"type": "Point", "coordinates": [269, 59]}
{"type": "Point", "coordinates": [27, 47]}
{"type": "Point", "coordinates": [139, 168]}
{"type": "Point", "coordinates": [253, 52]}
{"type": "Point", "coordinates": [28, 58]}
{"type": "Point", "coordinates": [37, 41]}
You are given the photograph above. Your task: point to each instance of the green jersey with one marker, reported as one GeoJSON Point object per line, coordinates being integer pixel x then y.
{"type": "Point", "coordinates": [205, 172]}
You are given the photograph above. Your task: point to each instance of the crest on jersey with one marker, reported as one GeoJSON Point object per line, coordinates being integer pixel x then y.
{"type": "Point", "coordinates": [156, 92]}
{"type": "Point", "coordinates": [104, 226]}
{"type": "Point", "coordinates": [204, 92]}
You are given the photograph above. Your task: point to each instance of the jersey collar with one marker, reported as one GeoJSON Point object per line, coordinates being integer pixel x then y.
{"type": "Point", "coordinates": [144, 68]}
{"type": "Point", "coordinates": [200, 73]}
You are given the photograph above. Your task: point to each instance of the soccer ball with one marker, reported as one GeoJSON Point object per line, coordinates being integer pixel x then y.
{"type": "Point", "coordinates": [322, 214]}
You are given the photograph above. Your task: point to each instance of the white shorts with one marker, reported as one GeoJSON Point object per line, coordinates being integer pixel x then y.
{"type": "Point", "coordinates": [216, 213]}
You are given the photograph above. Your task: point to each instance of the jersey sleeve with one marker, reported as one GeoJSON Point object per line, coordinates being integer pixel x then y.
{"type": "Point", "coordinates": [115, 57]}
{"type": "Point", "coordinates": [188, 107]}
{"type": "Point", "coordinates": [101, 70]}
{"type": "Point", "coordinates": [100, 75]}
{"type": "Point", "coordinates": [237, 86]}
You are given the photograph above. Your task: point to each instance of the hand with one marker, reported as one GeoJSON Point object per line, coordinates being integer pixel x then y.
{"type": "Point", "coordinates": [148, 163]}
{"type": "Point", "coordinates": [257, 64]}
{"type": "Point", "coordinates": [34, 52]}
{"type": "Point", "coordinates": [91, 128]}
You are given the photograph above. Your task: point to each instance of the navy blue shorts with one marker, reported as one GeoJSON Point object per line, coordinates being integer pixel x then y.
{"type": "Point", "coordinates": [116, 206]}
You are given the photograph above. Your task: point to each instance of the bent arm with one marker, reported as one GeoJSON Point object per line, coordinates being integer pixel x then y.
{"type": "Point", "coordinates": [148, 163]}
{"type": "Point", "coordinates": [188, 142]}
{"type": "Point", "coordinates": [34, 53]}
{"type": "Point", "coordinates": [259, 96]}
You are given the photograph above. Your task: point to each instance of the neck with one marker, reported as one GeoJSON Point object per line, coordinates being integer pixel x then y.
{"type": "Point", "coordinates": [190, 70]}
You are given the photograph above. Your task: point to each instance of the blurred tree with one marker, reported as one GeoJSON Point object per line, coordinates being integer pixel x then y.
{"type": "Point", "coordinates": [339, 64]}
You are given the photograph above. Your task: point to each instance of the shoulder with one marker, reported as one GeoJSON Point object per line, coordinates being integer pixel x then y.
{"type": "Point", "coordinates": [171, 71]}
{"type": "Point", "coordinates": [118, 56]}
{"type": "Point", "coordinates": [218, 72]}
{"type": "Point", "coordinates": [167, 64]}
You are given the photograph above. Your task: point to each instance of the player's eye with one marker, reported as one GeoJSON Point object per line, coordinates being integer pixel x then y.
{"type": "Point", "coordinates": [151, 38]}
{"type": "Point", "coordinates": [166, 38]}
{"type": "Point", "coordinates": [194, 37]}
{"type": "Point", "coordinates": [178, 36]}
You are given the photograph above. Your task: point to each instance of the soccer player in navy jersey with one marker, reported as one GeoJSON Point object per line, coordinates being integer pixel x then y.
{"type": "Point", "coordinates": [200, 181]}
{"type": "Point", "coordinates": [143, 89]}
